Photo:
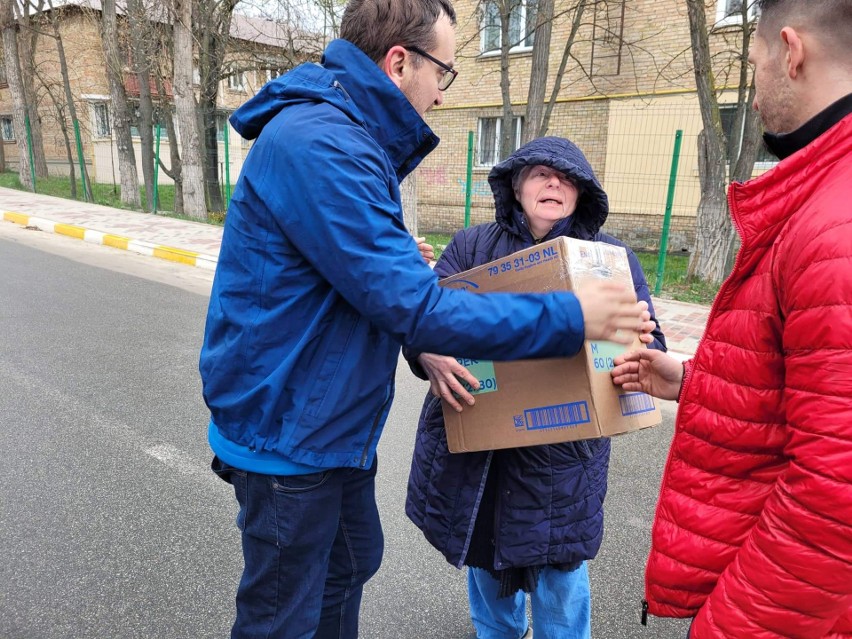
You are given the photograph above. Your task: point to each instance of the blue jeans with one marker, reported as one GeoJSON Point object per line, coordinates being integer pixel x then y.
{"type": "Point", "coordinates": [310, 543]}
{"type": "Point", "coordinates": [561, 606]}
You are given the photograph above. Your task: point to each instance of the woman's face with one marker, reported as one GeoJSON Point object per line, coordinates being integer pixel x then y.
{"type": "Point", "coordinates": [546, 195]}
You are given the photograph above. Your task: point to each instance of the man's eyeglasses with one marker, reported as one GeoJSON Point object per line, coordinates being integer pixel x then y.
{"type": "Point", "coordinates": [449, 73]}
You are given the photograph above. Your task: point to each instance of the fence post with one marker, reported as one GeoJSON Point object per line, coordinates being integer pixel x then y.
{"type": "Point", "coordinates": [157, 171]}
{"type": "Point", "coordinates": [86, 195]}
{"type": "Point", "coordinates": [667, 218]}
{"type": "Point", "coordinates": [30, 149]}
{"type": "Point", "coordinates": [226, 134]}
{"type": "Point", "coordinates": [468, 186]}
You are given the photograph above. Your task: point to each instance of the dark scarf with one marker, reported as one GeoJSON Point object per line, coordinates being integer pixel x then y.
{"type": "Point", "coordinates": [783, 145]}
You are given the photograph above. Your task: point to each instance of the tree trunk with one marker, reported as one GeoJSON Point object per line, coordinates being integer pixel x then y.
{"type": "Point", "coordinates": [408, 193]}
{"type": "Point", "coordinates": [26, 51]}
{"type": "Point", "coordinates": [9, 28]}
{"type": "Point", "coordinates": [187, 114]}
{"type": "Point", "coordinates": [139, 38]}
{"type": "Point", "coordinates": [120, 114]}
{"type": "Point", "coordinates": [69, 101]}
{"type": "Point", "coordinates": [215, 25]}
{"type": "Point", "coordinates": [714, 233]}
{"type": "Point", "coordinates": [176, 173]}
{"type": "Point", "coordinates": [507, 127]}
{"type": "Point", "coordinates": [538, 75]}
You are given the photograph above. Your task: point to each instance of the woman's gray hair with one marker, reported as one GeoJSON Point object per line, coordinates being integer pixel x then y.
{"type": "Point", "coordinates": [518, 178]}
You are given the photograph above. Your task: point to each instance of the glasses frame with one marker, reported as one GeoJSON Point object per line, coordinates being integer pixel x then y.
{"type": "Point", "coordinates": [449, 72]}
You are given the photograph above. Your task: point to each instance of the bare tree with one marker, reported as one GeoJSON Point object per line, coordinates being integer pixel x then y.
{"type": "Point", "coordinates": [27, 43]}
{"type": "Point", "coordinates": [213, 26]}
{"type": "Point", "coordinates": [120, 113]}
{"type": "Point", "coordinates": [9, 28]}
{"type": "Point", "coordinates": [714, 237]}
{"type": "Point", "coordinates": [71, 110]}
{"type": "Point", "coordinates": [140, 38]}
{"type": "Point", "coordinates": [193, 175]}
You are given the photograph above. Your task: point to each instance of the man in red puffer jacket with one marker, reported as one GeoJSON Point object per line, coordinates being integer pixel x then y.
{"type": "Point", "coordinates": [753, 531]}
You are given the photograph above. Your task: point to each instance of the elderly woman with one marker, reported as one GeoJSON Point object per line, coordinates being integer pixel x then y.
{"type": "Point", "coordinates": [523, 520]}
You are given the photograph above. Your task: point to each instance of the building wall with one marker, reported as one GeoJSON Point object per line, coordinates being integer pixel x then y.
{"type": "Point", "coordinates": [80, 32]}
{"type": "Point", "coordinates": [624, 122]}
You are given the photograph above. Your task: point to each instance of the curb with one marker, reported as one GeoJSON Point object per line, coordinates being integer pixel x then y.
{"type": "Point", "coordinates": [170, 253]}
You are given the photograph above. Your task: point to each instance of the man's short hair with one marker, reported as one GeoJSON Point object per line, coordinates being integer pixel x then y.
{"type": "Point", "coordinates": [831, 18]}
{"type": "Point", "coordinates": [374, 26]}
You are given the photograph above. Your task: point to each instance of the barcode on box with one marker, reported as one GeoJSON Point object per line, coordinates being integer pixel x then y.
{"type": "Point", "coordinates": [635, 403]}
{"type": "Point", "coordinates": [557, 416]}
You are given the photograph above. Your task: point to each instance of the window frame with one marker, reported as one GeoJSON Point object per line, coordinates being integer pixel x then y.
{"type": "Point", "coordinates": [518, 122]}
{"type": "Point", "coordinates": [98, 132]}
{"type": "Point", "coordinates": [236, 81]}
{"type": "Point", "coordinates": [723, 19]}
{"type": "Point", "coordinates": [526, 44]}
{"type": "Point", "coordinates": [11, 121]}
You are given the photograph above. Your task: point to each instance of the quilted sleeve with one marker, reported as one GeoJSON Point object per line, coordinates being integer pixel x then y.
{"type": "Point", "coordinates": [793, 575]}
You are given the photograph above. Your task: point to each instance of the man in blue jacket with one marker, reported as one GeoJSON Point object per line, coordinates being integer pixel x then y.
{"type": "Point", "coordinates": [317, 287]}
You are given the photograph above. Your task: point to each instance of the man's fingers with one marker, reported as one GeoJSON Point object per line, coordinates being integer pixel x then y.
{"type": "Point", "coordinates": [447, 395]}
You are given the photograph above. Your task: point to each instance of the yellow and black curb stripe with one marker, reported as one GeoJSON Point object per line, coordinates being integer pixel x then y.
{"type": "Point", "coordinates": [169, 253]}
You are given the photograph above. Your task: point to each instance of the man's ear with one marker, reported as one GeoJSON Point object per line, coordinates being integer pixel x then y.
{"type": "Point", "coordinates": [396, 61]}
{"type": "Point", "coordinates": [794, 51]}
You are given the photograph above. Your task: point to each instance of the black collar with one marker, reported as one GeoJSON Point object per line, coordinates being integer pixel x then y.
{"type": "Point", "coordinates": [786, 144]}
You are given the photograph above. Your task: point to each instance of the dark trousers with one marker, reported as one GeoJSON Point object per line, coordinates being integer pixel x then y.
{"type": "Point", "coordinates": [310, 543]}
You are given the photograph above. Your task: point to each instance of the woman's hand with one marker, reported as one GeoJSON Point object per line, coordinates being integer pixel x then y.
{"type": "Point", "coordinates": [444, 373]}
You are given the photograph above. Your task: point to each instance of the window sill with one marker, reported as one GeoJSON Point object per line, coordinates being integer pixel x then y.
{"type": "Point", "coordinates": [495, 54]}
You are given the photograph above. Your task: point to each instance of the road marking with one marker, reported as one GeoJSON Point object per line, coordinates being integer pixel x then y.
{"type": "Point", "coordinates": [161, 251]}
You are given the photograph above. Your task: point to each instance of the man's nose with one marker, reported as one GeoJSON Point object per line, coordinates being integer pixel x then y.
{"type": "Point", "coordinates": [440, 99]}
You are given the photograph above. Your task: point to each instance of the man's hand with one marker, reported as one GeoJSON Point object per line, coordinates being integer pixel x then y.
{"type": "Point", "coordinates": [426, 250]}
{"type": "Point", "coordinates": [649, 371]}
{"type": "Point", "coordinates": [444, 373]}
{"type": "Point", "coordinates": [611, 312]}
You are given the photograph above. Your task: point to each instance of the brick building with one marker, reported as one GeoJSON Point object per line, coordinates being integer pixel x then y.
{"type": "Point", "coordinates": [627, 89]}
{"type": "Point", "coordinates": [257, 51]}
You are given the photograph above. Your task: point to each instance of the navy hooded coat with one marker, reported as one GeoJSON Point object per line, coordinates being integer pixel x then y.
{"type": "Point", "coordinates": [548, 499]}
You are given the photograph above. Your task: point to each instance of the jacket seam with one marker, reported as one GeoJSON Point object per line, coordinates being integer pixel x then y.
{"type": "Point", "coordinates": [742, 348]}
{"type": "Point", "coordinates": [728, 510]}
{"type": "Point", "coordinates": [734, 418]}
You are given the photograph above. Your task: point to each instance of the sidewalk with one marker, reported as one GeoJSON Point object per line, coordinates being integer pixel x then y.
{"type": "Point", "coordinates": [197, 244]}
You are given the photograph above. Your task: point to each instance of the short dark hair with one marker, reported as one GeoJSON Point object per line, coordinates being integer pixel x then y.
{"type": "Point", "coordinates": [832, 18]}
{"type": "Point", "coordinates": [374, 26]}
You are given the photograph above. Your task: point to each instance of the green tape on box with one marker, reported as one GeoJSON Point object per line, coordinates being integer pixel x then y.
{"type": "Point", "coordinates": [603, 354]}
{"type": "Point", "coordinates": [483, 370]}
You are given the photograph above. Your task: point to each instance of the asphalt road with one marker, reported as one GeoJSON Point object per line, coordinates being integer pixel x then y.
{"type": "Point", "coordinates": [111, 524]}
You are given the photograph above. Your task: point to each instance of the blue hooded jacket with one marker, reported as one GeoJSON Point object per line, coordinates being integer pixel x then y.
{"type": "Point", "coordinates": [319, 282]}
{"type": "Point", "coordinates": [548, 500]}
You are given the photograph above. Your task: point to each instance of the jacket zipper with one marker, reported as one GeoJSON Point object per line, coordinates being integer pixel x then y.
{"type": "Point", "coordinates": [688, 376]}
{"type": "Point", "coordinates": [366, 452]}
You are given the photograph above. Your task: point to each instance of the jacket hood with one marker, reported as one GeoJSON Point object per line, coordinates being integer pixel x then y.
{"type": "Point", "coordinates": [351, 82]}
{"type": "Point", "coordinates": [566, 157]}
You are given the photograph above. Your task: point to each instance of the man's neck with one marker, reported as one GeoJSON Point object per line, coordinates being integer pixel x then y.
{"type": "Point", "coordinates": [786, 144]}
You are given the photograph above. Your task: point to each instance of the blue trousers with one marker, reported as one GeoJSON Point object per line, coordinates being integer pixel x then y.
{"type": "Point", "coordinates": [310, 543]}
{"type": "Point", "coordinates": [561, 606]}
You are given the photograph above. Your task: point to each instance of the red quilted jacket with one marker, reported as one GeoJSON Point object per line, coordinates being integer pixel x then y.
{"type": "Point", "coordinates": [753, 531]}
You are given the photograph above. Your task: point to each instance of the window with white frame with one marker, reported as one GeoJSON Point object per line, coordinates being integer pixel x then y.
{"type": "Point", "coordinates": [728, 113]}
{"type": "Point", "coordinates": [730, 11]}
{"type": "Point", "coordinates": [521, 25]}
{"type": "Point", "coordinates": [273, 73]}
{"type": "Point", "coordinates": [488, 145]}
{"type": "Point", "coordinates": [237, 81]}
{"type": "Point", "coordinates": [100, 117]}
{"type": "Point", "coordinates": [7, 128]}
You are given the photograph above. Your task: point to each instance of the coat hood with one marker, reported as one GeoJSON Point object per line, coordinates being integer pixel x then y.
{"type": "Point", "coordinates": [351, 82]}
{"type": "Point", "coordinates": [566, 157]}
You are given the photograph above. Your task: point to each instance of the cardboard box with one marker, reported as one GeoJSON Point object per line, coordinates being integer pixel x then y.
{"type": "Point", "coordinates": [548, 401]}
